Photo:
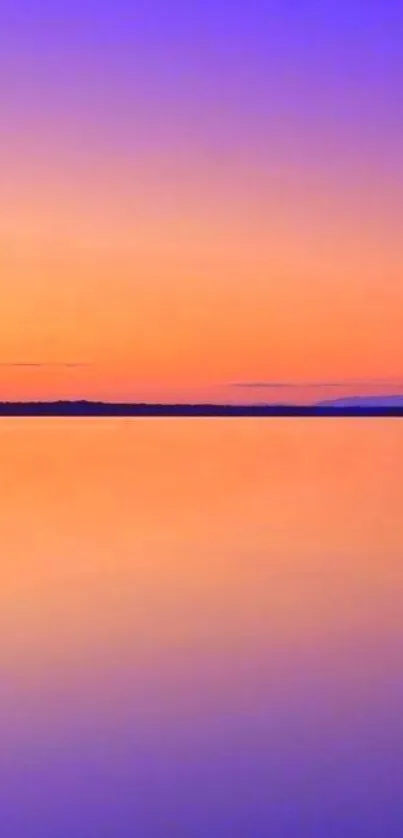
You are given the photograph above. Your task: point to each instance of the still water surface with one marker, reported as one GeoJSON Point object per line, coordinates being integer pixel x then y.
{"type": "Point", "coordinates": [201, 628]}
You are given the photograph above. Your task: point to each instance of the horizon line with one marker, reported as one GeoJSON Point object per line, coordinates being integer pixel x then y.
{"type": "Point", "coordinates": [85, 408]}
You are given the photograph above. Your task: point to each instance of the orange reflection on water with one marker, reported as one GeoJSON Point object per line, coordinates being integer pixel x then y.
{"type": "Point", "coordinates": [214, 533]}
{"type": "Point", "coordinates": [220, 597]}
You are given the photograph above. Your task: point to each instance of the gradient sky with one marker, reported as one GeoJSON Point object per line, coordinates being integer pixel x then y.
{"type": "Point", "coordinates": [198, 194]}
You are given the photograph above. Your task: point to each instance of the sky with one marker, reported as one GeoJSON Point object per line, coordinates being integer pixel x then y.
{"type": "Point", "coordinates": [197, 196]}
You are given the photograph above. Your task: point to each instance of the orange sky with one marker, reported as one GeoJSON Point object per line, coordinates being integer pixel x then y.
{"type": "Point", "coordinates": [188, 295]}
{"type": "Point", "coordinates": [175, 242]}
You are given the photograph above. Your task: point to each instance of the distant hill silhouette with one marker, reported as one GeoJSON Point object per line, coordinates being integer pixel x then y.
{"type": "Point", "coordinates": [365, 401]}
{"type": "Point", "coordinates": [337, 408]}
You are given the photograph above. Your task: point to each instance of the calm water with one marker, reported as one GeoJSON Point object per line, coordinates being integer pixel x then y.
{"type": "Point", "coordinates": [201, 628]}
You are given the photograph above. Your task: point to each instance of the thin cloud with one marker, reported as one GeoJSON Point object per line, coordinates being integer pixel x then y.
{"type": "Point", "coordinates": [263, 385]}
{"type": "Point", "coordinates": [40, 364]}
{"type": "Point", "coordinates": [297, 385]}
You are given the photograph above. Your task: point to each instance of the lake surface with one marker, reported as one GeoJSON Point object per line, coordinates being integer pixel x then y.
{"type": "Point", "coordinates": [201, 628]}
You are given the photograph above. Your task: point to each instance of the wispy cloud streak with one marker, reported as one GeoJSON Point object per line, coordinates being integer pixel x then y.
{"type": "Point", "coordinates": [337, 384]}
{"type": "Point", "coordinates": [41, 364]}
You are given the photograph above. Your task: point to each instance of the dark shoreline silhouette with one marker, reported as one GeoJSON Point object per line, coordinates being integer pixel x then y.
{"type": "Point", "coordinates": [111, 409]}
